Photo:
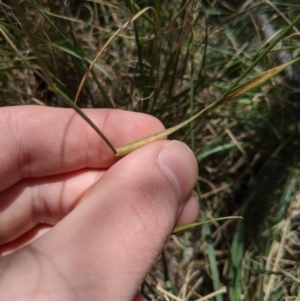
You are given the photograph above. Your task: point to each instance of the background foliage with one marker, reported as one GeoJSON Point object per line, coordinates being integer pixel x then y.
{"type": "Point", "coordinates": [177, 58]}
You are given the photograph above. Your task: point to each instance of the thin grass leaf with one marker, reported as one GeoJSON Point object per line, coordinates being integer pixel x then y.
{"type": "Point", "coordinates": [207, 152]}
{"type": "Point", "coordinates": [213, 265]}
{"type": "Point", "coordinates": [34, 45]}
{"type": "Point", "coordinates": [260, 56]}
{"type": "Point", "coordinates": [257, 81]}
{"type": "Point", "coordinates": [77, 56]}
{"type": "Point", "coordinates": [85, 117]}
{"type": "Point", "coordinates": [251, 84]}
{"type": "Point", "coordinates": [134, 18]}
{"type": "Point", "coordinates": [189, 226]}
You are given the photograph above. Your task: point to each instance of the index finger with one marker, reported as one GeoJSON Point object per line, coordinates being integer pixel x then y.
{"type": "Point", "coordinates": [40, 141]}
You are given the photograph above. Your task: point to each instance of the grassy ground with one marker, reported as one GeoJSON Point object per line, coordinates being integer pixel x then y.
{"type": "Point", "coordinates": [173, 61]}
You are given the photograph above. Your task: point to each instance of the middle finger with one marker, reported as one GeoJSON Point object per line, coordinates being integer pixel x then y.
{"type": "Point", "coordinates": [42, 200]}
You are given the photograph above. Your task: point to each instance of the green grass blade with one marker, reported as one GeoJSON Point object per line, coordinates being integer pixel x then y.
{"type": "Point", "coordinates": [197, 224]}
{"type": "Point", "coordinates": [213, 264]}
{"type": "Point", "coordinates": [85, 117]}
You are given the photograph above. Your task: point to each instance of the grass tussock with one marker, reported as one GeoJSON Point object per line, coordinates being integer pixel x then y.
{"type": "Point", "coordinates": [172, 61]}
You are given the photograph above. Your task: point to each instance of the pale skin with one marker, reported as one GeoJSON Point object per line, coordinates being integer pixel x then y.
{"type": "Point", "coordinates": [109, 217]}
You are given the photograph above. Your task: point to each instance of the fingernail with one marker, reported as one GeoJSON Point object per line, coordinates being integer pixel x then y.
{"type": "Point", "coordinates": [178, 163]}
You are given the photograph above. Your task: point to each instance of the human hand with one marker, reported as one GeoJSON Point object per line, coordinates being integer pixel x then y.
{"type": "Point", "coordinates": [110, 217]}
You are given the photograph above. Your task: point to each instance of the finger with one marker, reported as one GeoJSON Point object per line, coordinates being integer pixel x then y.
{"type": "Point", "coordinates": [190, 211]}
{"type": "Point", "coordinates": [42, 200]}
{"type": "Point", "coordinates": [105, 247]}
{"type": "Point", "coordinates": [139, 297]}
{"type": "Point", "coordinates": [54, 197]}
{"type": "Point", "coordinates": [16, 233]}
{"type": "Point", "coordinates": [25, 239]}
{"type": "Point", "coordinates": [40, 141]}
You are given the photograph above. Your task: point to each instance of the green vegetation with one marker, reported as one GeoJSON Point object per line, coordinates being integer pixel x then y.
{"type": "Point", "coordinates": [173, 59]}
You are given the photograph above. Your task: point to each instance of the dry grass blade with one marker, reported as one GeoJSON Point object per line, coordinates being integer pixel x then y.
{"type": "Point", "coordinates": [134, 18]}
{"type": "Point", "coordinates": [249, 85]}
{"type": "Point", "coordinates": [257, 81]}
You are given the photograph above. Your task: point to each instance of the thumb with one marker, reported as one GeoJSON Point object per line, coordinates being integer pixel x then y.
{"type": "Point", "coordinates": [105, 247]}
